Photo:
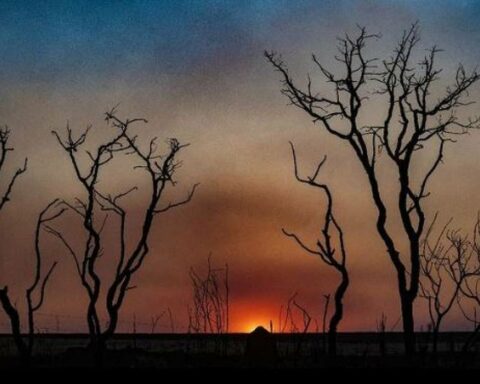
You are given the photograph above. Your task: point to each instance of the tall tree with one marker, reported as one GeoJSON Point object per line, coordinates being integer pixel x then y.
{"type": "Point", "coordinates": [415, 117]}
{"type": "Point", "coordinates": [160, 170]}
{"type": "Point", "coordinates": [330, 248]}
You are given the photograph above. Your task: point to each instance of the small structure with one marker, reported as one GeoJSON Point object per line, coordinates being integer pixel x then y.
{"type": "Point", "coordinates": [261, 349]}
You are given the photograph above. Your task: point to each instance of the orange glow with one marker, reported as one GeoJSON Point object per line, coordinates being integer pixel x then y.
{"type": "Point", "coordinates": [250, 325]}
{"type": "Point", "coordinates": [247, 316]}
{"type": "Point", "coordinates": [239, 128]}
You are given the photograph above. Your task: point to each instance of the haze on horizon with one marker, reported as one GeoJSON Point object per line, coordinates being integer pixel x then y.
{"type": "Point", "coordinates": [195, 70]}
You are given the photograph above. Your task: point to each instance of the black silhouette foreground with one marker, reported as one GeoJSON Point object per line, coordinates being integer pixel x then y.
{"type": "Point", "coordinates": [260, 349]}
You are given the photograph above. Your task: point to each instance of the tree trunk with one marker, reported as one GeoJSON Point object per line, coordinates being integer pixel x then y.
{"type": "Point", "coordinates": [332, 342]}
{"type": "Point", "coordinates": [338, 314]}
{"type": "Point", "coordinates": [12, 313]}
{"type": "Point", "coordinates": [97, 349]}
{"type": "Point", "coordinates": [408, 324]}
{"type": "Point", "coordinates": [435, 340]}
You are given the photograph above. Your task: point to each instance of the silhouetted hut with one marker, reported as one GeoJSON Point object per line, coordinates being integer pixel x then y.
{"type": "Point", "coordinates": [261, 347]}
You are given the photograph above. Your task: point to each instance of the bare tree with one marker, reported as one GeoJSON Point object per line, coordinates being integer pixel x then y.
{"type": "Point", "coordinates": [332, 255]}
{"type": "Point", "coordinates": [424, 121]}
{"type": "Point", "coordinates": [468, 276]}
{"type": "Point", "coordinates": [4, 150]}
{"type": "Point", "coordinates": [160, 170]}
{"type": "Point", "coordinates": [285, 320]}
{"type": "Point", "coordinates": [293, 308]}
{"type": "Point", "coordinates": [210, 310]}
{"type": "Point", "coordinates": [443, 264]}
{"type": "Point", "coordinates": [11, 311]}
{"type": "Point", "coordinates": [35, 293]}
{"type": "Point", "coordinates": [296, 321]}
{"type": "Point", "coordinates": [306, 317]}
{"type": "Point", "coordinates": [154, 321]}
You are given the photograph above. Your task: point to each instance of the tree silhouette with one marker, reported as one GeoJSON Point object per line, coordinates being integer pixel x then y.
{"type": "Point", "coordinates": [443, 263]}
{"type": "Point", "coordinates": [412, 120]}
{"type": "Point", "coordinates": [9, 309]}
{"type": "Point", "coordinates": [4, 150]}
{"type": "Point", "coordinates": [35, 293]}
{"type": "Point", "coordinates": [331, 255]}
{"type": "Point", "coordinates": [160, 170]}
{"type": "Point", "coordinates": [468, 276]}
{"type": "Point", "coordinates": [210, 310]}
{"type": "Point", "coordinates": [293, 308]}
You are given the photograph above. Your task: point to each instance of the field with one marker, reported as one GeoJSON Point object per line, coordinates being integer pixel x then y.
{"type": "Point", "coordinates": [355, 350]}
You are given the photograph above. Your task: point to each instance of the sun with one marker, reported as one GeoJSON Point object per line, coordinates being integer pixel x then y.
{"type": "Point", "coordinates": [251, 325]}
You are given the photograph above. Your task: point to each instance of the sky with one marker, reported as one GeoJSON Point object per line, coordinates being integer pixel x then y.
{"type": "Point", "coordinates": [196, 71]}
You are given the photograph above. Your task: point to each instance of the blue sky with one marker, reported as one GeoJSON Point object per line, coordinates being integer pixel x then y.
{"type": "Point", "coordinates": [41, 39]}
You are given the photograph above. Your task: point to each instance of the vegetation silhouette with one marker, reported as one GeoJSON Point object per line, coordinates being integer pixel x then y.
{"type": "Point", "coordinates": [160, 170]}
{"type": "Point", "coordinates": [326, 250]}
{"type": "Point", "coordinates": [424, 122]}
{"type": "Point", "coordinates": [440, 267]}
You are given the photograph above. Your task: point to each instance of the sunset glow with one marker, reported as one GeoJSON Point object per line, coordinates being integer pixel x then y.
{"type": "Point", "coordinates": [250, 326]}
{"type": "Point", "coordinates": [195, 71]}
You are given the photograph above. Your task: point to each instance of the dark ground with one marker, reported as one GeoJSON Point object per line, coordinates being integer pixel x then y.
{"type": "Point", "coordinates": [240, 351]}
